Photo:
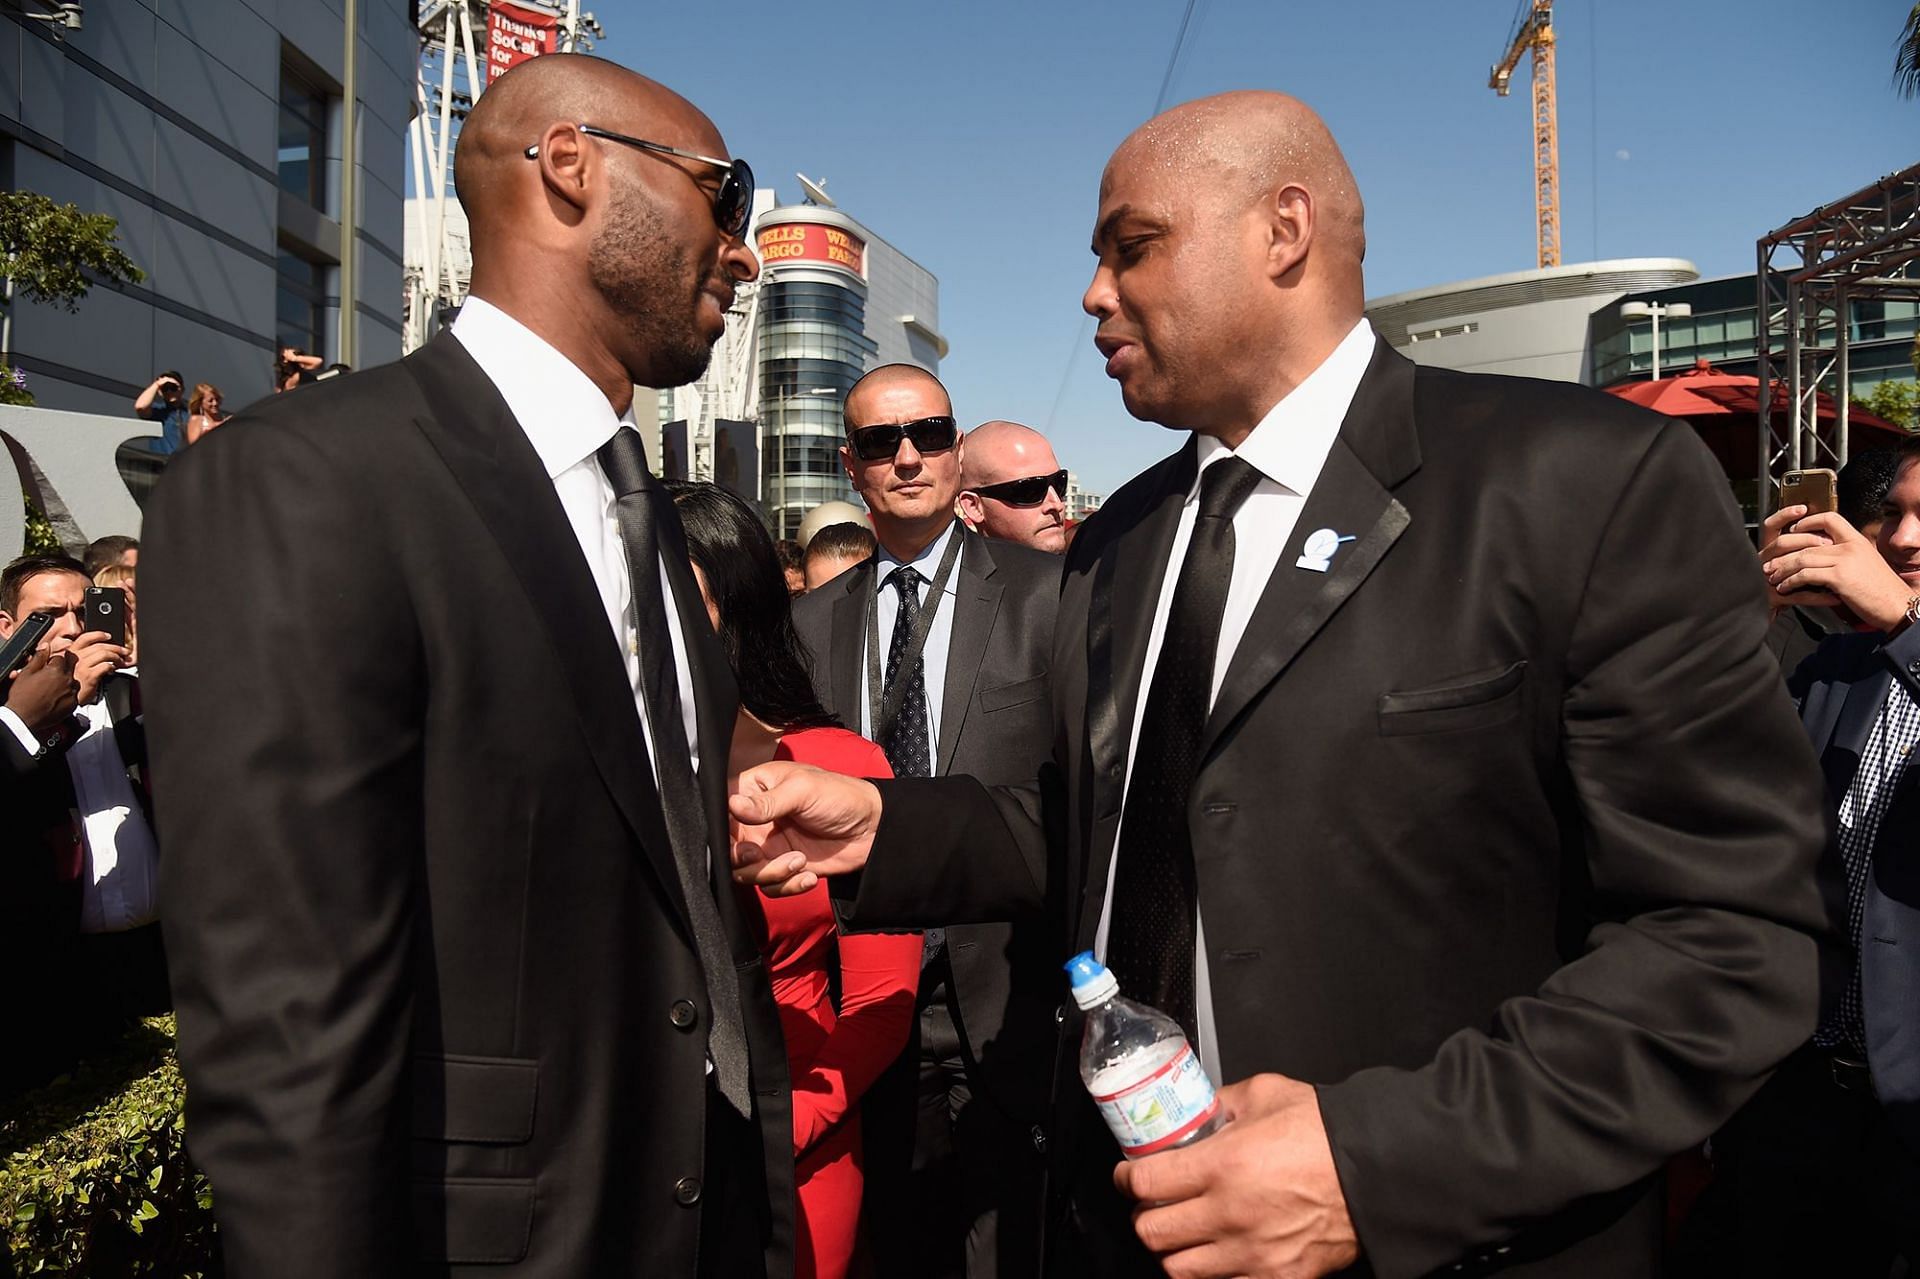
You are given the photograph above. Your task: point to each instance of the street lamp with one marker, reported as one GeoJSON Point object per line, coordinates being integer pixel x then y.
{"type": "Point", "coordinates": [1653, 311]}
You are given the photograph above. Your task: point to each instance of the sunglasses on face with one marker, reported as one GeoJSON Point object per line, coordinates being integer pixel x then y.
{"type": "Point", "coordinates": [878, 443]}
{"type": "Point", "coordinates": [1028, 491]}
{"type": "Point", "coordinates": [733, 203]}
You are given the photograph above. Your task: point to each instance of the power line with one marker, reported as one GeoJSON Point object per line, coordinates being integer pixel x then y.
{"type": "Point", "coordinates": [1159, 105]}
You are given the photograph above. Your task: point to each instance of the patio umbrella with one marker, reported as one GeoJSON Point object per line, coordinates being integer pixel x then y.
{"type": "Point", "coordinates": [1722, 408]}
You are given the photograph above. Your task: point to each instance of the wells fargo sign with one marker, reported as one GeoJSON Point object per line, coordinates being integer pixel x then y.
{"type": "Point", "coordinates": [792, 242]}
{"type": "Point", "coordinates": [514, 34]}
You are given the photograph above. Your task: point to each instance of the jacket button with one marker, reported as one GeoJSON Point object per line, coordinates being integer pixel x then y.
{"type": "Point", "coordinates": [686, 1191]}
{"type": "Point", "coordinates": [683, 1014]}
{"type": "Point", "coordinates": [1913, 667]}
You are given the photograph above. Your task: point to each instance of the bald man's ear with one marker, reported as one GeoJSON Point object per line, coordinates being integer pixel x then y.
{"type": "Point", "coordinates": [1290, 220]}
{"type": "Point", "coordinates": [565, 162]}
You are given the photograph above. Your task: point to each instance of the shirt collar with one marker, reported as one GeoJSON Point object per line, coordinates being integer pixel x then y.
{"type": "Point", "coordinates": [1290, 444]}
{"type": "Point", "coordinates": [926, 563]}
{"type": "Point", "coordinates": [565, 416]}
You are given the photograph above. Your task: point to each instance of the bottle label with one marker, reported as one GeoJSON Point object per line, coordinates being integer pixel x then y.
{"type": "Point", "coordinates": [1163, 1109]}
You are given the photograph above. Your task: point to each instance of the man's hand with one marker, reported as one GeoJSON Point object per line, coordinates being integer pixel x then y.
{"type": "Point", "coordinates": [94, 656]}
{"type": "Point", "coordinates": [1258, 1198]}
{"type": "Point", "coordinates": [814, 823]}
{"type": "Point", "coordinates": [1771, 531]}
{"type": "Point", "coordinates": [43, 693]}
{"type": "Point", "coordinates": [1824, 560]}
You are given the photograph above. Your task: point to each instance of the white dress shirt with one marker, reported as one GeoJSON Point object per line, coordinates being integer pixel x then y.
{"type": "Point", "coordinates": [567, 418]}
{"type": "Point", "coordinates": [1288, 448]}
{"type": "Point", "coordinates": [933, 656]}
{"type": "Point", "coordinates": [120, 861]}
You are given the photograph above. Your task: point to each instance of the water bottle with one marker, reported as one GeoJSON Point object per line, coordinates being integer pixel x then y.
{"type": "Point", "coordinates": [1145, 1078]}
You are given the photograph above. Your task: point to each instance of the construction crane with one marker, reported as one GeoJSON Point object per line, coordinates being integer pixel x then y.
{"type": "Point", "coordinates": [1533, 32]}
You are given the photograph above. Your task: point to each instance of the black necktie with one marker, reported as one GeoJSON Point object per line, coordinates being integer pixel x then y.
{"type": "Point", "coordinates": [906, 739]}
{"type": "Point", "coordinates": [1150, 940]}
{"type": "Point", "coordinates": [642, 504]}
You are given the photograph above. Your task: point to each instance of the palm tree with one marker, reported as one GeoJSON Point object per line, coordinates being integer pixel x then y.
{"type": "Point", "coordinates": [1906, 58]}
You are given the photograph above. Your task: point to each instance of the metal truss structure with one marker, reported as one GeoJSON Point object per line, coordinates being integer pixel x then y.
{"type": "Point", "coordinates": [1810, 273]}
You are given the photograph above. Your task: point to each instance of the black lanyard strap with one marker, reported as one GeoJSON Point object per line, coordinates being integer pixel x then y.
{"type": "Point", "coordinates": [884, 708]}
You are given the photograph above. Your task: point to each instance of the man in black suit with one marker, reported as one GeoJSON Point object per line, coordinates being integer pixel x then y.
{"type": "Point", "coordinates": [952, 1173]}
{"type": "Point", "coordinates": [442, 731]}
{"type": "Point", "coordinates": [1420, 753]}
{"type": "Point", "coordinates": [77, 874]}
{"type": "Point", "coordinates": [1820, 1173]}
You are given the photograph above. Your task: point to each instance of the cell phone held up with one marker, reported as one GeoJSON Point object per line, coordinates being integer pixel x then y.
{"type": "Point", "coordinates": [105, 608]}
{"type": "Point", "coordinates": [21, 644]}
{"type": "Point", "coordinates": [1817, 489]}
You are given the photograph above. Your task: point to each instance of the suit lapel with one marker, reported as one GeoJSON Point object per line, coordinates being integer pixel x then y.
{"type": "Point", "coordinates": [476, 436]}
{"type": "Point", "coordinates": [1840, 753]}
{"type": "Point", "coordinates": [847, 646]}
{"type": "Point", "coordinates": [976, 603]}
{"type": "Point", "coordinates": [1375, 449]}
{"type": "Point", "coordinates": [1126, 589]}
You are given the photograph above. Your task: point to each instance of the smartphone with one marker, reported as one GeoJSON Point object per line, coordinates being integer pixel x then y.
{"type": "Point", "coordinates": [21, 644]}
{"type": "Point", "coordinates": [106, 610]}
{"type": "Point", "coordinates": [1816, 489]}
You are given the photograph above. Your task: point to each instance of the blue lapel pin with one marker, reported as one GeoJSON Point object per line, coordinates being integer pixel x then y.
{"type": "Point", "coordinates": [1317, 554]}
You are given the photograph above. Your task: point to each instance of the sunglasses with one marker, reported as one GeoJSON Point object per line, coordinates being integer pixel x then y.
{"type": "Point", "coordinates": [878, 443]}
{"type": "Point", "coordinates": [733, 204]}
{"type": "Point", "coordinates": [1030, 491]}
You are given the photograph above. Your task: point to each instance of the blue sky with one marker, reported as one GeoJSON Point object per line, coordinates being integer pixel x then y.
{"type": "Point", "coordinates": [972, 136]}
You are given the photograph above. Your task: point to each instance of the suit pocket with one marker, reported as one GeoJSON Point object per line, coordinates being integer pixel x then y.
{"type": "Point", "coordinates": [1476, 699]}
{"type": "Point", "coordinates": [484, 1100]}
{"type": "Point", "coordinates": [1019, 692]}
{"type": "Point", "coordinates": [473, 1220]}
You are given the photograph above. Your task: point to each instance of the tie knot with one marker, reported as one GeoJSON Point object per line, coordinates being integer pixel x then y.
{"type": "Point", "coordinates": [906, 579]}
{"type": "Point", "coordinates": [624, 459]}
{"type": "Point", "coordinates": [1225, 486]}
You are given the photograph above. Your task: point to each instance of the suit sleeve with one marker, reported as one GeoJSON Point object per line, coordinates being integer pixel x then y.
{"type": "Point", "coordinates": [285, 700]}
{"type": "Point", "coordinates": [1696, 815]}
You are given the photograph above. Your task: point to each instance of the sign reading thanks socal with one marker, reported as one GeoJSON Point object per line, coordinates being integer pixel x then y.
{"type": "Point", "coordinates": [794, 242]}
{"type": "Point", "coordinates": [515, 34]}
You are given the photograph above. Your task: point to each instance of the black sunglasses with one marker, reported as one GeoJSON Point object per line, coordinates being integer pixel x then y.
{"type": "Point", "coordinates": [1029, 491]}
{"type": "Point", "coordinates": [731, 207]}
{"type": "Point", "coordinates": [877, 443]}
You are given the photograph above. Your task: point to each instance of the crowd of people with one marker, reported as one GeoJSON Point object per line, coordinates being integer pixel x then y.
{"type": "Point", "coordinates": [560, 874]}
{"type": "Point", "coordinates": [184, 418]}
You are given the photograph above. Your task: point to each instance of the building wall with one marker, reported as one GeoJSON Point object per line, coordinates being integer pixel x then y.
{"type": "Point", "coordinates": [165, 114]}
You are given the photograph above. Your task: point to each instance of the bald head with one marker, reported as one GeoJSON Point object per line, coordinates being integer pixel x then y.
{"type": "Point", "coordinates": [611, 253]}
{"type": "Point", "coordinates": [1001, 451]}
{"type": "Point", "coordinates": [1230, 235]}
{"type": "Point", "coordinates": [888, 382]}
{"type": "Point", "coordinates": [1246, 145]}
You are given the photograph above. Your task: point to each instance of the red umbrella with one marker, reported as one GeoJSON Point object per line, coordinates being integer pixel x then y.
{"type": "Point", "coordinates": [1712, 401]}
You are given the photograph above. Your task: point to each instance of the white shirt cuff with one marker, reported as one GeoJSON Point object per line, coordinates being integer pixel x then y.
{"type": "Point", "coordinates": [13, 721]}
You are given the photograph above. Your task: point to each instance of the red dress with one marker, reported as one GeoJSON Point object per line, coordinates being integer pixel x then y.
{"type": "Point", "coordinates": [833, 1056]}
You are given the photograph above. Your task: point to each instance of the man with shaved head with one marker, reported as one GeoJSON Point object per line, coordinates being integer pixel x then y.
{"type": "Point", "coordinates": [1012, 487]}
{"type": "Point", "coordinates": [1416, 748]}
{"type": "Point", "coordinates": [459, 983]}
{"type": "Point", "coordinates": [937, 645]}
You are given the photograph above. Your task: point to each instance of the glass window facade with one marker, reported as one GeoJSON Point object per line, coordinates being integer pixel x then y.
{"type": "Point", "coordinates": [303, 138]}
{"type": "Point", "coordinates": [813, 348]}
{"type": "Point", "coordinates": [300, 318]}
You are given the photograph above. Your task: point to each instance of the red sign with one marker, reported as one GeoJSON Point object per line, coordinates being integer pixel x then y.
{"type": "Point", "coordinates": [515, 34]}
{"type": "Point", "coordinates": [812, 242]}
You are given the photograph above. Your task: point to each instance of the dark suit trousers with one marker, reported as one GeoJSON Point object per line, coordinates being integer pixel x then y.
{"type": "Point", "coordinates": [938, 1159]}
{"type": "Point", "coordinates": [1809, 1179]}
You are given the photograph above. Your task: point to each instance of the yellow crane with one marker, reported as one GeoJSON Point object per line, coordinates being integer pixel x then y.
{"type": "Point", "coordinates": [1533, 32]}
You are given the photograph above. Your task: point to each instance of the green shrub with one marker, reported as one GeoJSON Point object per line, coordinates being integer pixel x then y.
{"type": "Point", "coordinates": [96, 1180]}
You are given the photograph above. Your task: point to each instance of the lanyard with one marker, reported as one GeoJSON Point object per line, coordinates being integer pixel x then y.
{"type": "Point", "coordinates": [883, 710]}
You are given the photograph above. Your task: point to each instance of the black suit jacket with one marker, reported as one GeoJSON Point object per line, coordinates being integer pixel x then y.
{"type": "Point", "coordinates": [1841, 690]}
{"type": "Point", "coordinates": [431, 959]}
{"type": "Point", "coordinates": [995, 725]}
{"type": "Point", "coordinates": [1505, 832]}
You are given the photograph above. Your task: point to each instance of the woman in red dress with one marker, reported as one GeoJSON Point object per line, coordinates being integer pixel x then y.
{"type": "Point", "coordinates": [832, 1054]}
